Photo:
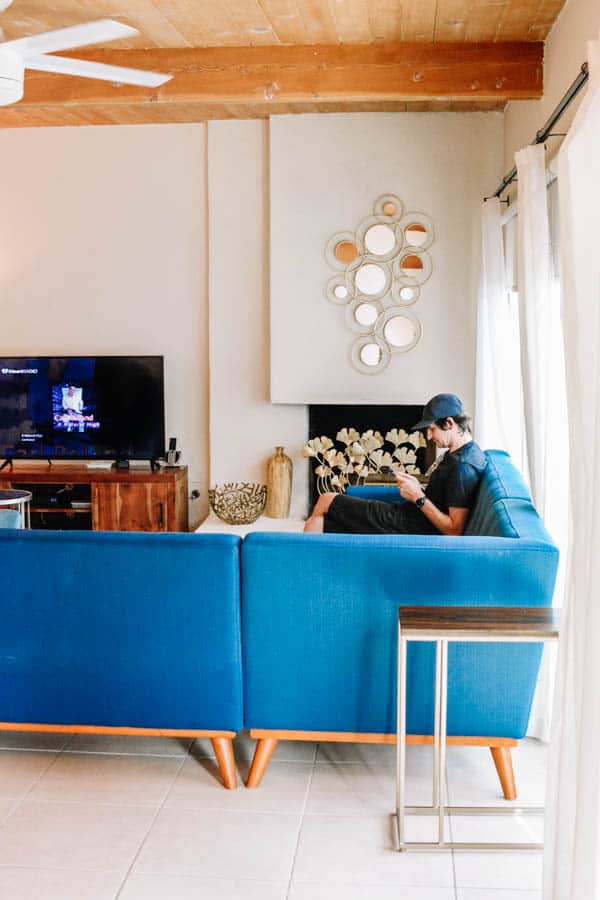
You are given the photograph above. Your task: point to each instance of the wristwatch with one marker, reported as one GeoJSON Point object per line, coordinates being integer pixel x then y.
{"type": "Point", "coordinates": [420, 501]}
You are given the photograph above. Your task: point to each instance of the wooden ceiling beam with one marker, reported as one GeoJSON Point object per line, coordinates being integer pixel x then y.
{"type": "Point", "coordinates": [306, 74]}
{"type": "Point", "coordinates": [20, 116]}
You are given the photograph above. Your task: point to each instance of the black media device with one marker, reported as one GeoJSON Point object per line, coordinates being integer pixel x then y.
{"type": "Point", "coordinates": [82, 408]}
{"type": "Point", "coordinates": [172, 457]}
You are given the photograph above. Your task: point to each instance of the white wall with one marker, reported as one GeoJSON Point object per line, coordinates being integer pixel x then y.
{"type": "Point", "coordinates": [326, 173]}
{"type": "Point", "coordinates": [565, 51]}
{"type": "Point", "coordinates": [105, 245]}
{"type": "Point", "coordinates": [244, 425]}
{"type": "Point", "coordinates": [102, 251]}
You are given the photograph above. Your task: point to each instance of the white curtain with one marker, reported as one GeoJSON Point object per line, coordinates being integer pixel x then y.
{"type": "Point", "coordinates": [534, 268]}
{"type": "Point", "coordinates": [572, 852]}
{"type": "Point", "coordinates": [498, 390]}
{"type": "Point", "coordinates": [542, 369]}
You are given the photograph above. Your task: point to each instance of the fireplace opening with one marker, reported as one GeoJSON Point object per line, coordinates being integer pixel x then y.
{"type": "Point", "coordinates": [329, 419]}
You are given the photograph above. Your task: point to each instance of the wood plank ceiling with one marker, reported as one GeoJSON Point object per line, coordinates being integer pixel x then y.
{"type": "Point", "coordinates": [255, 58]}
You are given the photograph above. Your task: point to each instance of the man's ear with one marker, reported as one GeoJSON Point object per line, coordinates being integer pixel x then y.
{"type": "Point", "coordinates": [450, 423]}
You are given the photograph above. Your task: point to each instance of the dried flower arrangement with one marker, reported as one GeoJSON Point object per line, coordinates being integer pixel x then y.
{"type": "Point", "coordinates": [362, 455]}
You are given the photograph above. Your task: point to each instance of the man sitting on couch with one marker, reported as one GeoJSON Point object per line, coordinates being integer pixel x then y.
{"type": "Point", "coordinates": [444, 506]}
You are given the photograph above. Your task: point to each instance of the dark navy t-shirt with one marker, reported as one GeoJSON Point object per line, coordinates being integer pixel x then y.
{"type": "Point", "coordinates": [456, 479]}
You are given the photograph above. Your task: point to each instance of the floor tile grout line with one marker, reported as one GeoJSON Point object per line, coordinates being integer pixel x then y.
{"type": "Point", "coordinates": [11, 810]}
{"type": "Point", "coordinates": [149, 829]}
{"type": "Point", "coordinates": [30, 750]}
{"type": "Point", "coordinates": [68, 740]}
{"type": "Point", "coordinates": [301, 822]}
{"type": "Point", "coordinates": [23, 798]}
{"type": "Point", "coordinates": [131, 753]}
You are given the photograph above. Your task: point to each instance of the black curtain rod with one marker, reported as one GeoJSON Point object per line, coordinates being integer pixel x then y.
{"type": "Point", "coordinates": [544, 132]}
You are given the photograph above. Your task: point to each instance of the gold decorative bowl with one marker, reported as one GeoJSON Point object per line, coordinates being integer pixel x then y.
{"type": "Point", "coordinates": [238, 503]}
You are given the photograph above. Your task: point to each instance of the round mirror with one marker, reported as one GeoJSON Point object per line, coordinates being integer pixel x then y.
{"type": "Point", "coordinates": [400, 331]}
{"type": "Point", "coordinates": [346, 251]}
{"type": "Point", "coordinates": [379, 239]}
{"type": "Point", "coordinates": [370, 279]}
{"type": "Point", "coordinates": [407, 293]}
{"type": "Point", "coordinates": [370, 354]}
{"type": "Point", "coordinates": [415, 234]}
{"type": "Point", "coordinates": [340, 291]}
{"type": "Point", "coordinates": [366, 314]}
{"type": "Point", "coordinates": [411, 265]}
{"type": "Point", "coordinates": [388, 205]}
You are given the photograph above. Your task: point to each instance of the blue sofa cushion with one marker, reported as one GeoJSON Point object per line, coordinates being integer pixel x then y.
{"type": "Point", "coordinates": [387, 493]}
{"type": "Point", "coordinates": [121, 629]}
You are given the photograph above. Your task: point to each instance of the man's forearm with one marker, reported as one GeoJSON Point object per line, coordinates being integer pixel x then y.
{"type": "Point", "coordinates": [442, 521]}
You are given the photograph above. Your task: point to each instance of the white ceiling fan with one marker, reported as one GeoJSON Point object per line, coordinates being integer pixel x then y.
{"type": "Point", "coordinates": [30, 53]}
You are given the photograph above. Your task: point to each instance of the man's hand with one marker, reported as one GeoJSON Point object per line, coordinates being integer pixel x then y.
{"type": "Point", "coordinates": [410, 487]}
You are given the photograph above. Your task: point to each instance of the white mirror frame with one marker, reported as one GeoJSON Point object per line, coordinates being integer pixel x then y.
{"type": "Point", "coordinates": [361, 233]}
{"type": "Point", "coordinates": [378, 207]}
{"type": "Point", "coordinates": [411, 280]}
{"type": "Point", "coordinates": [398, 287]}
{"type": "Point", "coordinates": [357, 360]}
{"type": "Point", "coordinates": [391, 313]}
{"type": "Point", "coordinates": [416, 218]}
{"type": "Point", "coordinates": [339, 281]}
{"type": "Point", "coordinates": [332, 243]}
{"type": "Point", "coordinates": [351, 320]}
{"type": "Point", "coordinates": [353, 286]}
{"type": "Point", "coordinates": [388, 300]}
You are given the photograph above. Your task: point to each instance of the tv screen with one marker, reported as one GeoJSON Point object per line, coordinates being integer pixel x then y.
{"type": "Point", "coordinates": [82, 407]}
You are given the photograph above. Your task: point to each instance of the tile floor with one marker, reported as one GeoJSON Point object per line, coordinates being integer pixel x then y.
{"type": "Point", "coordinates": [100, 818]}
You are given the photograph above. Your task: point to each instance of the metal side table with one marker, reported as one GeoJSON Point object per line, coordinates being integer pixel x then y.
{"type": "Point", "coordinates": [457, 623]}
{"type": "Point", "coordinates": [19, 500]}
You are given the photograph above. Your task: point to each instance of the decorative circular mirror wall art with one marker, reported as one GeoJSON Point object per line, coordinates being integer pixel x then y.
{"type": "Point", "coordinates": [380, 270]}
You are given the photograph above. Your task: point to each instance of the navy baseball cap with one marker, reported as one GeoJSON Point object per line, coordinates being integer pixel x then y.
{"type": "Point", "coordinates": [439, 407]}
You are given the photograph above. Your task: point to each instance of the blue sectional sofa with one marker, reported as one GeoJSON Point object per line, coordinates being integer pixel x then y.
{"type": "Point", "coordinates": [144, 633]}
{"type": "Point", "coordinates": [122, 633]}
{"type": "Point", "coordinates": [320, 618]}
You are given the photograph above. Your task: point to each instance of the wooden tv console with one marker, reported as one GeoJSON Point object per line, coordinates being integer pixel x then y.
{"type": "Point", "coordinates": [75, 496]}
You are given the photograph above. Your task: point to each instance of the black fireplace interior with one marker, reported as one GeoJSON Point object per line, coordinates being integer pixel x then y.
{"type": "Point", "coordinates": [327, 419]}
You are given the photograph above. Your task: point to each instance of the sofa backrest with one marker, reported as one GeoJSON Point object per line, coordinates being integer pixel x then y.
{"type": "Point", "coordinates": [500, 483]}
{"type": "Point", "coordinates": [121, 629]}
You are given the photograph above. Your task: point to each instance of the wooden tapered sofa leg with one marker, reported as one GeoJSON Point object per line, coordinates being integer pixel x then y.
{"type": "Point", "coordinates": [223, 747]}
{"type": "Point", "coordinates": [262, 755]}
{"type": "Point", "coordinates": [504, 768]}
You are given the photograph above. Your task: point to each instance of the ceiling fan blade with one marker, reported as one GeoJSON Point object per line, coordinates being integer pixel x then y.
{"type": "Point", "coordinates": [75, 36]}
{"type": "Point", "coordinates": [85, 69]}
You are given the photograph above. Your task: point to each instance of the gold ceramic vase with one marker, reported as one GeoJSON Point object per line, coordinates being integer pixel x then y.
{"type": "Point", "coordinates": [279, 485]}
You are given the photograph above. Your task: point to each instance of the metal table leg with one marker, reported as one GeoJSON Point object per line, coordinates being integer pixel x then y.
{"type": "Point", "coordinates": [439, 806]}
{"type": "Point", "coordinates": [401, 739]}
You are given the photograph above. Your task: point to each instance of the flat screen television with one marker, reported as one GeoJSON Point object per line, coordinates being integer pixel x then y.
{"type": "Point", "coordinates": [82, 407]}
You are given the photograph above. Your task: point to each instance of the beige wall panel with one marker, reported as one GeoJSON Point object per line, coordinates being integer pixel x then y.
{"type": "Point", "coordinates": [326, 172]}
{"type": "Point", "coordinates": [102, 239]}
{"type": "Point", "coordinates": [244, 425]}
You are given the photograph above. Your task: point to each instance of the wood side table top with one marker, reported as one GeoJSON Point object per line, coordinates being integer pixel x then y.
{"type": "Point", "coordinates": [479, 622]}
